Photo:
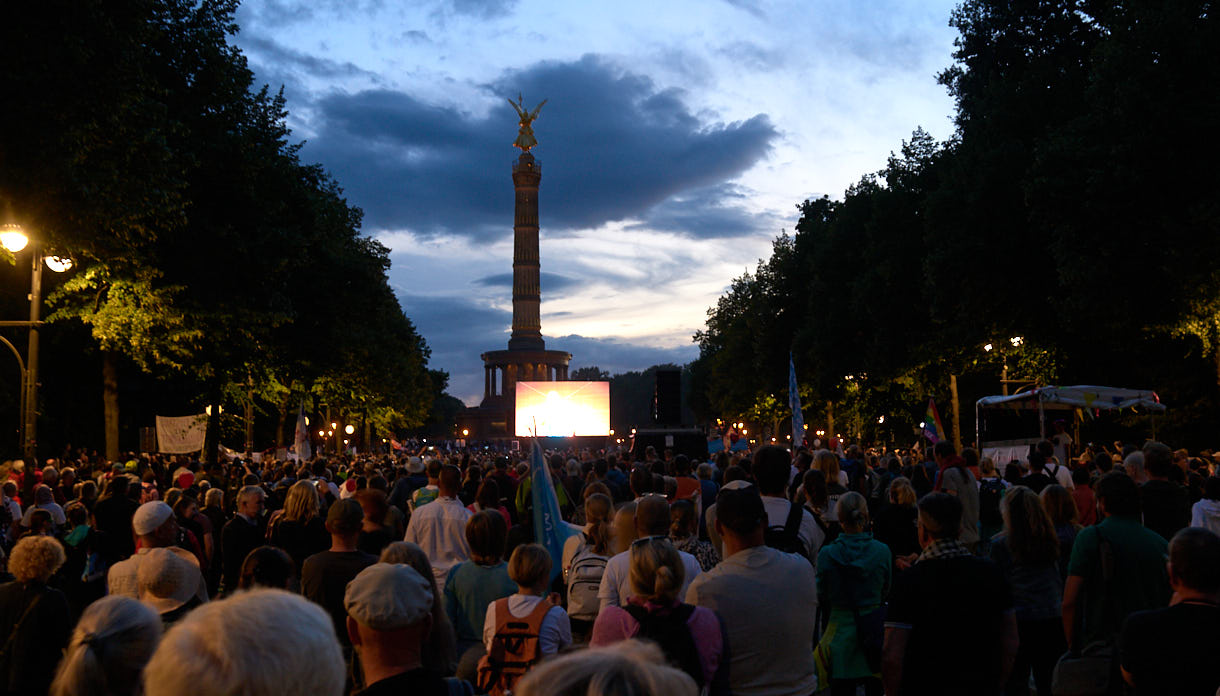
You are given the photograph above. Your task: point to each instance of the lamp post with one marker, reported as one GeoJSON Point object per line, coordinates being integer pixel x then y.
{"type": "Point", "coordinates": [14, 239]}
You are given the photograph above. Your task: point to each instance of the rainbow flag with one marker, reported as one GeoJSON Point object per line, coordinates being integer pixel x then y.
{"type": "Point", "coordinates": [933, 429]}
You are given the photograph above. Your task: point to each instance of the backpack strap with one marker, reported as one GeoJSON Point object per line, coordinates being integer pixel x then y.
{"type": "Point", "coordinates": [536, 617]}
{"type": "Point", "coordinates": [792, 526]}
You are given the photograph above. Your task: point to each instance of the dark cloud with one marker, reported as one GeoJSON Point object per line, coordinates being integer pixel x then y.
{"type": "Point", "coordinates": [285, 59]}
{"type": "Point", "coordinates": [613, 146]}
{"type": "Point", "coordinates": [276, 14]}
{"type": "Point", "coordinates": [550, 282]}
{"type": "Point", "coordinates": [751, 6]}
{"type": "Point", "coordinates": [712, 211]}
{"type": "Point", "coordinates": [483, 9]}
{"type": "Point", "coordinates": [616, 355]}
{"type": "Point", "coordinates": [755, 56]}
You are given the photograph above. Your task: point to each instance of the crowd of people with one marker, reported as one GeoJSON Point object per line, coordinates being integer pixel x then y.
{"type": "Point", "coordinates": [756, 573]}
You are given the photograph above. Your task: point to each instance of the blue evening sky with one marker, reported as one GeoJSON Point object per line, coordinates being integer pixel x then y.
{"type": "Point", "coordinates": [678, 138]}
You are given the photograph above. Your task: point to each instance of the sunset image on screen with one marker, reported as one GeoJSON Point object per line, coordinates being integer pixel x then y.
{"type": "Point", "coordinates": [563, 409]}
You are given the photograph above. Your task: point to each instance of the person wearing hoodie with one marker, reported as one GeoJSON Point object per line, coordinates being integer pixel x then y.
{"type": "Point", "coordinates": [853, 579]}
{"type": "Point", "coordinates": [1206, 512]}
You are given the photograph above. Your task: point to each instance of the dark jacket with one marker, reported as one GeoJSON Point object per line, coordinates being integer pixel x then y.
{"type": "Point", "coordinates": [33, 647]}
{"type": "Point", "coordinates": [239, 539]}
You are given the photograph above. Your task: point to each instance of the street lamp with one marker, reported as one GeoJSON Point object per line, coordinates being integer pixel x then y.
{"type": "Point", "coordinates": [14, 238]}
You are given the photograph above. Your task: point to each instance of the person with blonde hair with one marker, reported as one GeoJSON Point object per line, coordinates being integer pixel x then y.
{"type": "Point", "coordinates": [521, 629]}
{"type": "Point", "coordinates": [34, 618]}
{"type": "Point", "coordinates": [836, 481]}
{"type": "Point", "coordinates": [256, 643]}
{"type": "Point", "coordinates": [440, 650]}
{"type": "Point", "coordinates": [1061, 508]}
{"type": "Point", "coordinates": [300, 530]}
{"type": "Point", "coordinates": [896, 522]}
{"type": "Point", "coordinates": [625, 668]}
{"type": "Point", "coordinates": [853, 579]}
{"type": "Point", "coordinates": [584, 563]}
{"type": "Point", "coordinates": [691, 637]}
{"type": "Point", "coordinates": [1027, 552]}
{"type": "Point", "coordinates": [112, 642]}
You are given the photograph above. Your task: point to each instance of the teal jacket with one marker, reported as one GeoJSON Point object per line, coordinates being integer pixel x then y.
{"type": "Point", "coordinates": [853, 570]}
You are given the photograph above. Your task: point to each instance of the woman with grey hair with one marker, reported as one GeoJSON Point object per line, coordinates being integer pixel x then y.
{"type": "Point", "coordinates": [853, 578]}
{"type": "Point", "coordinates": [34, 618]}
{"type": "Point", "coordinates": [110, 646]}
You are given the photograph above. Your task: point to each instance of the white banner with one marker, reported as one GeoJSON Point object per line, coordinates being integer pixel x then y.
{"type": "Point", "coordinates": [181, 434]}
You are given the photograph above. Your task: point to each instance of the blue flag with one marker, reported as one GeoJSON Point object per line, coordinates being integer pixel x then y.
{"type": "Point", "coordinates": [794, 402]}
{"type": "Point", "coordinates": [549, 528]}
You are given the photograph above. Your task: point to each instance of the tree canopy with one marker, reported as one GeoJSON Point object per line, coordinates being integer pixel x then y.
{"type": "Point", "coordinates": [1074, 207]}
{"type": "Point", "coordinates": [205, 248]}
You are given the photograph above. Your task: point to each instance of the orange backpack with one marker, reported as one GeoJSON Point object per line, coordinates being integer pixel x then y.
{"type": "Point", "coordinates": [514, 649]}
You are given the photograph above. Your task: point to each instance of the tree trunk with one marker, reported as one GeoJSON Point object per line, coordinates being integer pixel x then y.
{"type": "Point", "coordinates": [110, 403]}
{"type": "Point", "coordinates": [957, 414]}
{"type": "Point", "coordinates": [830, 420]}
{"type": "Point", "coordinates": [279, 427]}
{"type": "Point", "coordinates": [211, 440]}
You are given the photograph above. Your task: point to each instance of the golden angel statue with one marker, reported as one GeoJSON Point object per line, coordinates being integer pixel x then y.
{"type": "Point", "coordinates": [525, 137]}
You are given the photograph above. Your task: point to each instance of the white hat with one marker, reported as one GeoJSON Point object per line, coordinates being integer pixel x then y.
{"type": "Point", "coordinates": [388, 596]}
{"type": "Point", "coordinates": [150, 516]}
{"type": "Point", "coordinates": [165, 581]}
{"type": "Point", "coordinates": [415, 465]}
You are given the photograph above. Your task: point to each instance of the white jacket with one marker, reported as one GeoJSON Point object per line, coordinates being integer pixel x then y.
{"type": "Point", "coordinates": [1206, 514]}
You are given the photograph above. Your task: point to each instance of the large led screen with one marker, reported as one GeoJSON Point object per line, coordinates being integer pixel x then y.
{"type": "Point", "coordinates": [563, 409]}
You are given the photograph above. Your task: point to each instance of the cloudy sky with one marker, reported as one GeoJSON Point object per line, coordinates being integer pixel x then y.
{"type": "Point", "coordinates": [676, 141]}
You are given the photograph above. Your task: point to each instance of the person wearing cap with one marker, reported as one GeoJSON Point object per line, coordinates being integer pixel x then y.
{"type": "Point", "coordinates": [156, 528]}
{"type": "Point", "coordinates": [389, 615]}
{"type": "Point", "coordinates": [766, 599]}
{"type": "Point", "coordinates": [324, 576]}
{"type": "Point", "coordinates": [241, 535]}
{"type": "Point", "coordinates": [439, 528]}
{"type": "Point", "coordinates": [167, 583]}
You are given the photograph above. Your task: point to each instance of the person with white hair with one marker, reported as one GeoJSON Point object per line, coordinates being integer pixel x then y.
{"type": "Point", "coordinates": [44, 499]}
{"type": "Point", "coordinates": [112, 642]}
{"type": "Point", "coordinates": [255, 643]}
{"type": "Point", "coordinates": [625, 668]}
{"type": "Point", "coordinates": [34, 618]}
{"type": "Point", "coordinates": [241, 535]}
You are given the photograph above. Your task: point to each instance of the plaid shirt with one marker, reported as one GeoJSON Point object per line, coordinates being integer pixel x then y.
{"type": "Point", "coordinates": [944, 548]}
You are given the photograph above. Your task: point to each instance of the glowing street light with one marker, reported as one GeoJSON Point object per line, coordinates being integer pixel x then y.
{"type": "Point", "coordinates": [465, 432]}
{"type": "Point", "coordinates": [321, 433]}
{"type": "Point", "coordinates": [349, 429]}
{"type": "Point", "coordinates": [14, 238]}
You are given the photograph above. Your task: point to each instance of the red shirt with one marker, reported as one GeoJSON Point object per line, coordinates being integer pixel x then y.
{"type": "Point", "coordinates": [1086, 505]}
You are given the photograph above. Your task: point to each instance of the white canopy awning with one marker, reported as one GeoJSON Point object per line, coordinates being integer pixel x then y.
{"type": "Point", "coordinates": [1079, 396]}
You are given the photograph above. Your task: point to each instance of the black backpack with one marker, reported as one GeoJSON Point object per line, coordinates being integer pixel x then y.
{"type": "Point", "coordinates": [787, 538]}
{"type": "Point", "coordinates": [671, 632]}
{"type": "Point", "coordinates": [990, 493]}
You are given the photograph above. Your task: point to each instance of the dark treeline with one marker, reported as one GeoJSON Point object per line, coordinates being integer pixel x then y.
{"type": "Point", "coordinates": [1075, 207]}
{"type": "Point", "coordinates": [212, 265]}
